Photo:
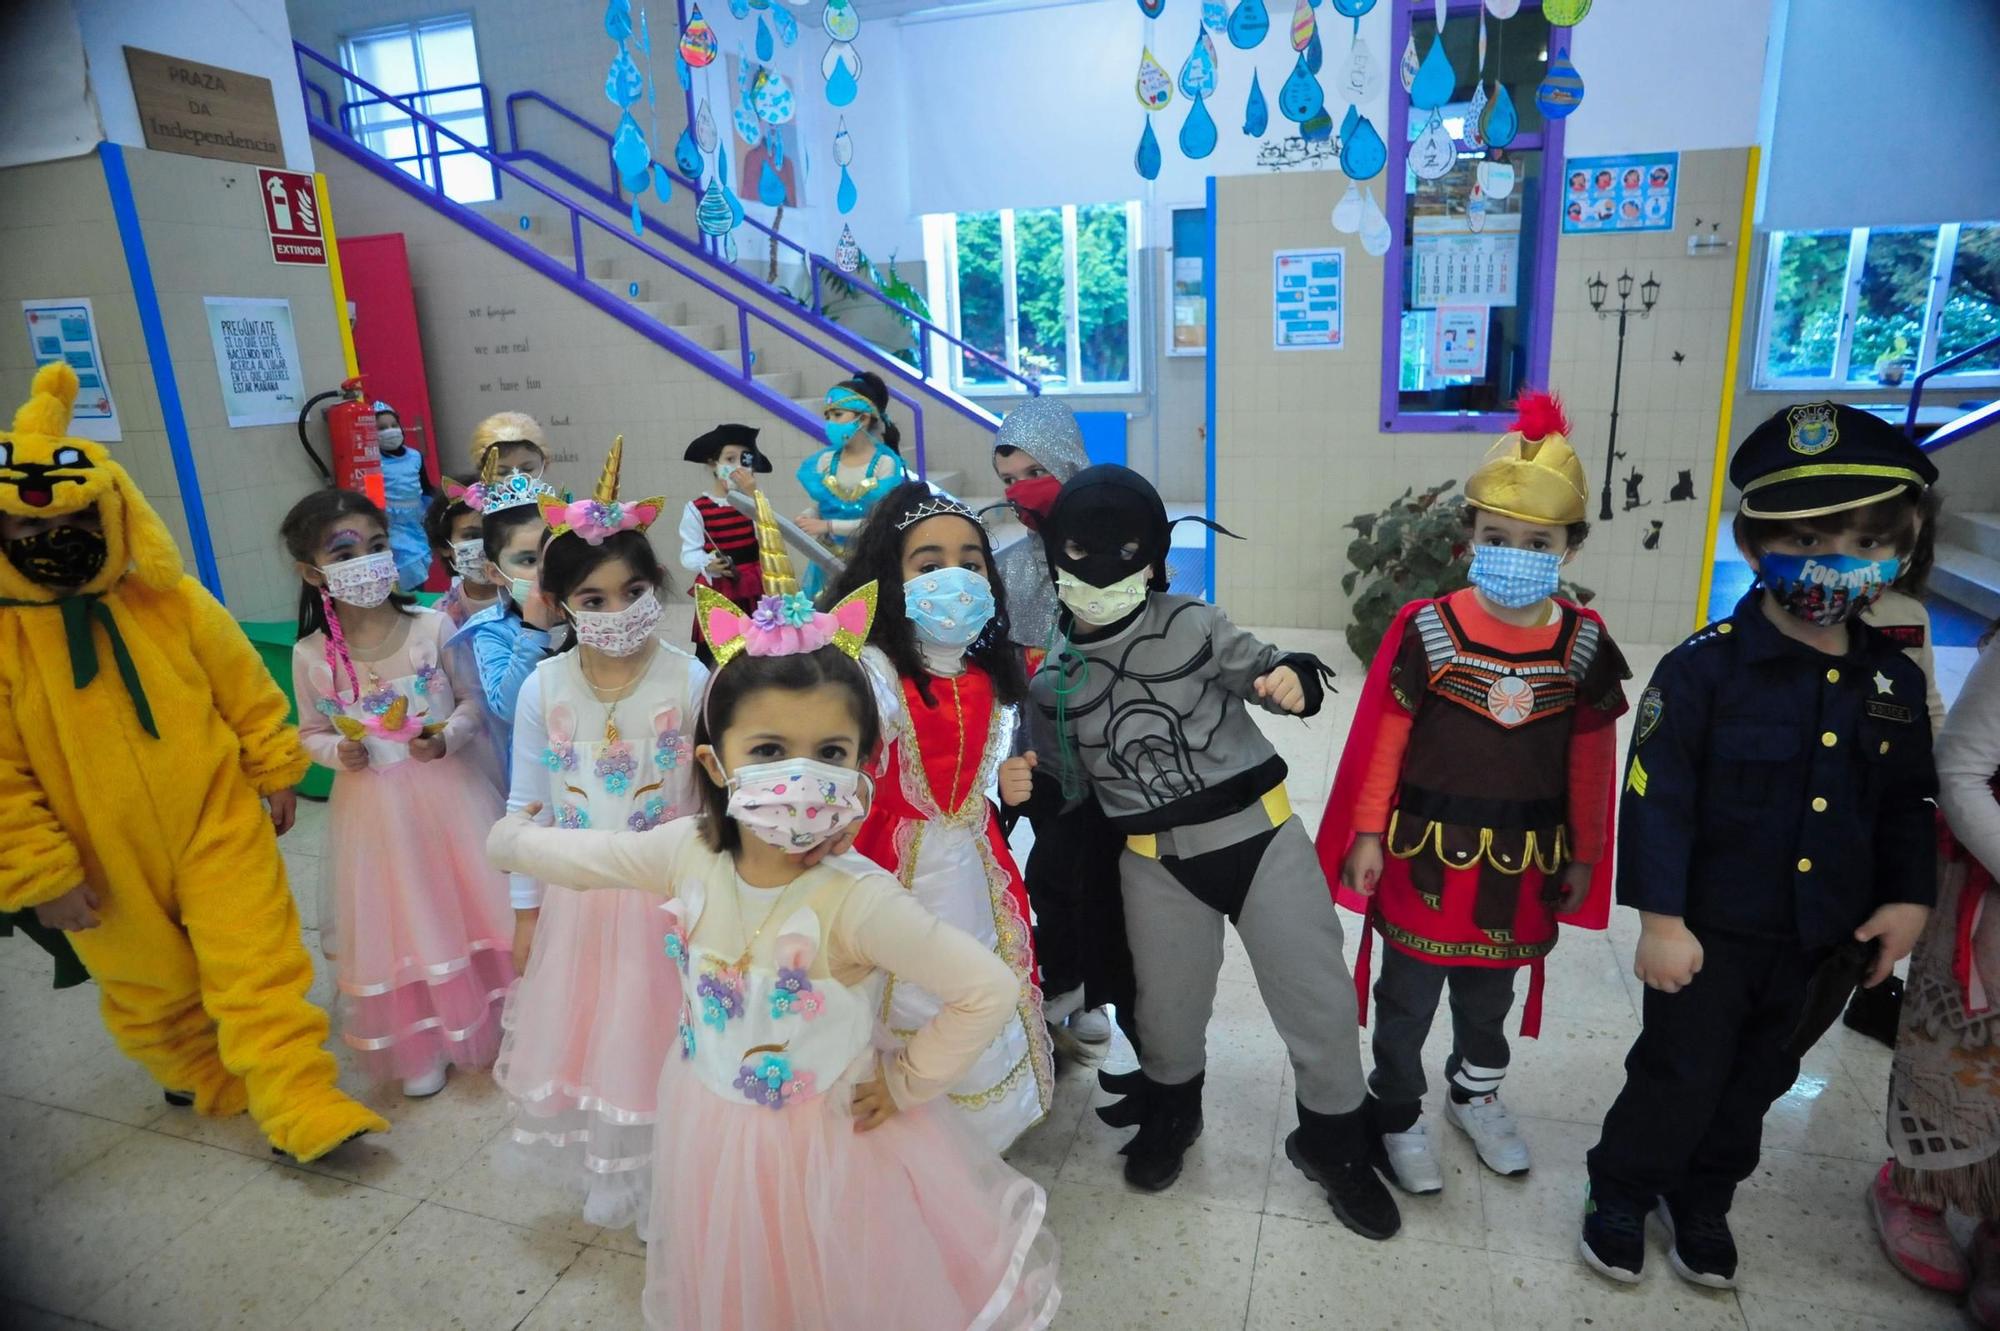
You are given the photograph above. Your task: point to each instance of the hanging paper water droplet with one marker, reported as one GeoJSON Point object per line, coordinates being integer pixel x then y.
{"type": "Point", "coordinates": [1496, 179]}
{"type": "Point", "coordinates": [618, 20]}
{"type": "Point", "coordinates": [638, 220]}
{"type": "Point", "coordinates": [1503, 122]}
{"type": "Point", "coordinates": [1503, 8]}
{"type": "Point", "coordinates": [1318, 129]}
{"type": "Point", "coordinates": [1362, 152]}
{"type": "Point", "coordinates": [766, 44]}
{"type": "Point", "coordinates": [1248, 23]}
{"type": "Point", "coordinates": [840, 53]}
{"type": "Point", "coordinates": [788, 27]}
{"type": "Point", "coordinates": [628, 150]}
{"type": "Point", "coordinates": [1562, 87]}
{"type": "Point", "coordinates": [1198, 72]}
{"type": "Point", "coordinates": [712, 213]}
{"type": "Point", "coordinates": [1433, 153]}
{"type": "Point", "coordinates": [1349, 121]}
{"type": "Point", "coordinates": [1347, 213]}
{"type": "Point", "coordinates": [623, 82]}
{"type": "Point", "coordinates": [1304, 25]}
{"type": "Point", "coordinates": [1256, 114]}
{"type": "Point", "coordinates": [739, 8]}
{"type": "Point", "coordinates": [760, 4]}
{"type": "Point", "coordinates": [1564, 13]}
{"type": "Point", "coordinates": [840, 20]}
{"type": "Point", "coordinates": [1359, 76]}
{"type": "Point", "coordinates": [1352, 8]}
{"type": "Point", "coordinates": [1475, 211]}
{"type": "Point", "coordinates": [772, 97]}
{"type": "Point", "coordinates": [1146, 161]}
{"type": "Point", "coordinates": [846, 196]}
{"type": "Point", "coordinates": [697, 39]}
{"type": "Point", "coordinates": [704, 127]}
{"type": "Point", "coordinates": [770, 185]}
{"type": "Point", "coordinates": [729, 254]}
{"type": "Point", "coordinates": [1435, 80]}
{"type": "Point", "coordinates": [1374, 226]}
{"type": "Point", "coordinates": [748, 127]}
{"type": "Point", "coordinates": [1155, 88]}
{"type": "Point", "coordinates": [1300, 99]}
{"type": "Point", "coordinates": [1212, 19]}
{"type": "Point", "coordinates": [846, 253]}
{"type": "Point", "coordinates": [841, 89]}
{"type": "Point", "coordinates": [843, 144]}
{"type": "Point", "coordinates": [687, 157]}
{"type": "Point", "coordinates": [1408, 69]}
{"type": "Point", "coordinates": [683, 73]}
{"type": "Point", "coordinates": [1151, 9]}
{"type": "Point", "coordinates": [1479, 68]}
{"type": "Point", "coordinates": [1198, 134]}
{"type": "Point", "coordinates": [729, 197]}
{"type": "Point", "coordinates": [1475, 112]}
{"type": "Point", "coordinates": [663, 184]}
{"type": "Point", "coordinates": [776, 144]}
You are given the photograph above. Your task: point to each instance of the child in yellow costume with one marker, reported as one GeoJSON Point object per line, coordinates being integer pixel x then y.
{"type": "Point", "coordinates": [137, 731]}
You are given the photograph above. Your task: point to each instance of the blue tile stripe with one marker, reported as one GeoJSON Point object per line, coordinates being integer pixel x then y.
{"type": "Point", "coordinates": [167, 387]}
{"type": "Point", "coordinates": [1210, 284]}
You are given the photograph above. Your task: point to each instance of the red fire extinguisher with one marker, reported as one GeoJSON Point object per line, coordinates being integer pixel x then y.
{"type": "Point", "coordinates": [350, 430]}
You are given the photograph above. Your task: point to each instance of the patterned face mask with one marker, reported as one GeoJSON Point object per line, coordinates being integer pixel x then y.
{"type": "Point", "coordinates": [1515, 578]}
{"type": "Point", "coordinates": [469, 558]}
{"type": "Point", "coordinates": [1095, 607]}
{"type": "Point", "coordinates": [796, 804]}
{"type": "Point", "coordinates": [619, 632]}
{"type": "Point", "coordinates": [948, 607]}
{"type": "Point", "coordinates": [1826, 589]}
{"type": "Point", "coordinates": [364, 582]}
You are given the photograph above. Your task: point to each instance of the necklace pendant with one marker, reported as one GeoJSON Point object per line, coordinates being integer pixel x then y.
{"type": "Point", "coordinates": [611, 735]}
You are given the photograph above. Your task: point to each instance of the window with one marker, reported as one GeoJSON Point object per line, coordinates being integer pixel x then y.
{"type": "Point", "coordinates": [1048, 292]}
{"type": "Point", "coordinates": [435, 59]}
{"type": "Point", "coordinates": [1466, 322]}
{"type": "Point", "coordinates": [1872, 307]}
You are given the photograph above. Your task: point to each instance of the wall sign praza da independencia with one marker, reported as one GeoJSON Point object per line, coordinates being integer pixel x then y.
{"type": "Point", "coordinates": [204, 110]}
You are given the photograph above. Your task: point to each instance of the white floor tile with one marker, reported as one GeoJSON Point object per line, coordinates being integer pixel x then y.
{"type": "Point", "coordinates": [1137, 1263]}
{"type": "Point", "coordinates": [1323, 1276]}
{"type": "Point", "coordinates": [599, 1292]}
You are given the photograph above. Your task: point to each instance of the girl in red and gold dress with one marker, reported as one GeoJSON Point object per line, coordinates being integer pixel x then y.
{"type": "Point", "coordinates": [947, 682]}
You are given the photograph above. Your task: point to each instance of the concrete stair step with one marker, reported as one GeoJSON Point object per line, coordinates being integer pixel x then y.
{"type": "Point", "coordinates": [669, 312]}
{"type": "Point", "coordinates": [634, 289]}
{"type": "Point", "coordinates": [785, 382]}
{"type": "Point", "coordinates": [1969, 578]}
{"type": "Point", "coordinates": [1977, 532]}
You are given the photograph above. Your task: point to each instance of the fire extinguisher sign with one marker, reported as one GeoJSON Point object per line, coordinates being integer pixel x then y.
{"type": "Point", "coordinates": [291, 214]}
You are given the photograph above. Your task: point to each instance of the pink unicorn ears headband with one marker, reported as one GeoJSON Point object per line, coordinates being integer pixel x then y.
{"type": "Point", "coordinates": [784, 622]}
{"type": "Point", "coordinates": [602, 515]}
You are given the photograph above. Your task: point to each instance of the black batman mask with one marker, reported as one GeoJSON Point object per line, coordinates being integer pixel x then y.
{"type": "Point", "coordinates": [1114, 517]}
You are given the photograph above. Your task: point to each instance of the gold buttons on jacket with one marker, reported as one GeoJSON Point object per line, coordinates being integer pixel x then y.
{"type": "Point", "coordinates": [1829, 739]}
{"type": "Point", "coordinates": [1819, 804]}
{"type": "Point", "coordinates": [1805, 866]}
{"type": "Point", "coordinates": [1833, 677]}
{"type": "Point", "coordinates": [1885, 746]}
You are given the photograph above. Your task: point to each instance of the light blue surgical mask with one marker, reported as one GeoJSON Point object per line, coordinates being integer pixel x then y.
{"type": "Point", "coordinates": [1515, 578]}
{"type": "Point", "coordinates": [949, 607]}
{"type": "Point", "coordinates": [839, 432]}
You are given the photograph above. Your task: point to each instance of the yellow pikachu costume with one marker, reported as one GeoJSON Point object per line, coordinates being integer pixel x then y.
{"type": "Point", "coordinates": [137, 731]}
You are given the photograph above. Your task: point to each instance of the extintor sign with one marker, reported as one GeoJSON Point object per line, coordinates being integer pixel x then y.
{"type": "Point", "coordinates": [291, 214]}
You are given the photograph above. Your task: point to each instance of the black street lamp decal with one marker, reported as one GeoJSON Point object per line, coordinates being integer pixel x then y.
{"type": "Point", "coordinates": [1649, 294]}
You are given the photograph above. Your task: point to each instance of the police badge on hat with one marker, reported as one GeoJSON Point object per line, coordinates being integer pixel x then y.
{"type": "Point", "coordinates": [1812, 428]}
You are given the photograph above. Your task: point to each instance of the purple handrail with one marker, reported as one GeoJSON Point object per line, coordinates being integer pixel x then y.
{"type": "Point", "coordinates": [432, 156]}
{"type": "Point", "coordinates": [1925, 376]}
{"type": "Point", "coordinates": [742, 377]}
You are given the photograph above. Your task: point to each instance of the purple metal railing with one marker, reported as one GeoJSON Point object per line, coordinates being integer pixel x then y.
{"type": "Point", "coordinates": [432, 159]}
{"type": "Point", "coordinates": [1971, 423]}
{"type": "Point", "coordinates": [739, 375]}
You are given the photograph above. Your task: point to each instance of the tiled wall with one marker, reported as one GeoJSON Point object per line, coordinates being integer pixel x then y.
{"type": "Point", "coordinates": [1299, 450]}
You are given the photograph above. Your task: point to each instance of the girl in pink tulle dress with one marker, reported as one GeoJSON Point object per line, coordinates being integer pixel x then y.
{"type": "Point", "coordinates": [599, 742]}
{"type": "Point", "coordinates": [424, 962]}
{"type": "Point", "coordinates": [804, 1178]}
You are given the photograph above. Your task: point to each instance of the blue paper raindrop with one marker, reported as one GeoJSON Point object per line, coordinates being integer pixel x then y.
{"type": "Point", "coordinates": [684, 74]}
{"type": "Point", "coordinates": [1151, 9]}
{"type": "Point", "coordinates": [687, 155]}
{"type": "Point", "coordinates": [623, 82]}
{"type": "Point", "coordinates": [1257, 114]}
{"type": "Point", "coordinates": [1198, 131]}
{"type": "Point", "coordinates": [1352, 8]}
{"type": "Point", "coordinates": [638, 220]}
{"type": "Point", "coordinates": [1315, 53]}
{"type": "Point", "coordinates": [1562, 87]}
{"type": "Point", "coordinates": [1212, 16]}
{"type": "Point", "coordinates": [1147, 159]}
{"type": "Point", "coordinates": [840, 85]}
{"type": "Point", "coordinates": [618, 20]}
{"type": "Point", "coordinates": [628, 151]}
{"type": "Point", "coordinates": [846, 196]}
{"type": "Point", "coordinates": [788, 27]}
{"type": "Point", "coordinates": [1319, 128]}
{"type": "Point", "coordinates": [1349, 121]}
{"type": "Point", "coordinates": [1248, 23]}
{"type": "Point", "coordinates": [1362, 152]}
{"type": "Point", "coordinates": [1301, 98]}
{"type": "Point", "coordinates": [1503, 122]}
{"type": "Point", "coordinates": [739, 8]}
{"type": "Point", "coordinates": [1198, 73]}
{"type": "Point", "coordinates": [1435, 79]}
{"type": "Point", "coordinates": [663, 184]}
{"type": "Point", "coordinates": [774, 143]}
{"type": "Point", "coordinates": [713, 215]}
{"type": "Point", "coordinates": [770, 185]}
{"type": "Point", "coordinates": [766, 48]}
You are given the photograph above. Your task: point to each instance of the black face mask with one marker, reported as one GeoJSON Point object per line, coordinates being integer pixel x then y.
{"type": "Point", "coordinates": [1114, 517]}
{"type": "Point", "coordinates": [61, 557]}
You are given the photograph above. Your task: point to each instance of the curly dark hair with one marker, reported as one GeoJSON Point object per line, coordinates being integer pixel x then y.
{"type": "Point", "coordinates": [878, 557]}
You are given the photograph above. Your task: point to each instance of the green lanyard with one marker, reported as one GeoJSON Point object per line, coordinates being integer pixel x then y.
{"type": "Point", "coordinates": [77, 614]}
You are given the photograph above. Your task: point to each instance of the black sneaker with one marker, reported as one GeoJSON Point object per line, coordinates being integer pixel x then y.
{"type": "Point", "coordinates": [1614, 1240]}
{"type": "Point", "coordinates": [1703, 1251]}
{"type": "Point", "coordinates": [1333, 1151]}
{"type": "Point", "coordinates": [1168, 1119]}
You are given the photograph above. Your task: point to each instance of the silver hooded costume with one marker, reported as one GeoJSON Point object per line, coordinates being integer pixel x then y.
{"type": "Point", "coordinates": [1046, 430]}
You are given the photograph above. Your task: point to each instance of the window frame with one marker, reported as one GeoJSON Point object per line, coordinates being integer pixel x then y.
{"type": "Point", "coordinates": [1545, 228]}
{"type": "Point", "coordinates": [943, 227]}
{"type": "Point", "coordinates": [1944, 256]}
{"type": "Point", "coordinates": [370, 131]}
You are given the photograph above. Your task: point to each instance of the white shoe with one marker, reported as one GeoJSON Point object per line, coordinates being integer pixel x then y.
{"type": "Point", "coordinates": [1413, 1165]}
{"type": "Point", "coordinates": [416, 1088]}
{"type": "Point", "coordinates": [1091, 1026]}
{"type": "Point", "coordinates": [1493, 1133]}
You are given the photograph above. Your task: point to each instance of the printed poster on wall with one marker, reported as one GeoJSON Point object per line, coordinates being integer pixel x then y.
{"type": "Point", "coordinates": [1451, 264]}
{"type": "Point", "coordinates": [65, 329]}
{"type": "Point", "coordinates": [256, 358]}
{"type": "Point", "coordinates": [1458, 341]}
{"type": "Point", "coordinates": [1306, 299]}
{"type": "Point", "coordinates": [1634, 192]}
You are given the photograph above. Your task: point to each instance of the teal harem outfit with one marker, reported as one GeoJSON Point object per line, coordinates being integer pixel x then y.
{"type": "Point", "coordinates": [840, 503]}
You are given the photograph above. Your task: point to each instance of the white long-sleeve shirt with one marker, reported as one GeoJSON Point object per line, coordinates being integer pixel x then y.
{"type": "Point", "coordinates": [1968, 754]}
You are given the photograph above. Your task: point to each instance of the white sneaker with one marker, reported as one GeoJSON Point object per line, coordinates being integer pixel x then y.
{"type": "Point", "coordinates": [1413, 1165]}
{"type": "Point", "coordinates": [1493, 1133]}
{"type": "Point", "coordinates": [1092, 1026]}
{"type": "Point", "coordinates": [416, 1088]}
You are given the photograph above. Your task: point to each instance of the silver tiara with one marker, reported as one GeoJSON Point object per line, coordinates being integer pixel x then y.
{"type": "Point", "coordinates": [936, 506]}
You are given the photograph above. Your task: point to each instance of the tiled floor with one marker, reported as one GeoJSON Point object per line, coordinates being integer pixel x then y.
{"type": "Point", "coordinates": [118, 1212]}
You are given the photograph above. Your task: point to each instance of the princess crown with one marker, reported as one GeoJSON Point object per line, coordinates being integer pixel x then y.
{"type": "Point", "coordinates": [784, 622]}
{"type": "Point", "coordinates": [603, 514]}
{"type": "Point", "coordinates": [936, 506]}
{"type": "Point", "coordinates": [493, 492]}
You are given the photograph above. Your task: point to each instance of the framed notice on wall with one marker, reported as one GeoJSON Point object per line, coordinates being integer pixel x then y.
{"type": "Point", "coordinates": [65, 329]}
{"type": "Point", "coordinates": [1630, 193]}
{"type": "Point", "coordinates": [256, 358]}
{"type": "Point", "coordinates": [1307, 293]}
{"type": "Point", "coordinates": [1187, 304]}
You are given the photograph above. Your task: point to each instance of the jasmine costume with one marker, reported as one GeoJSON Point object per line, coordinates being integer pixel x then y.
{"type": "Point", "coordinates": [842, 493]}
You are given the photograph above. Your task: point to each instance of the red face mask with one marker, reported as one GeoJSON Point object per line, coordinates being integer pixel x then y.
{"type": "Point", "coordinates": [1034, 498]}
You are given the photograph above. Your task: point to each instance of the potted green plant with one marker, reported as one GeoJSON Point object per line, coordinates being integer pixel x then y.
{"type": "Point", "coordinates": [1415, 548]}
{"type": "Point", "coordinates": [1893, 364]}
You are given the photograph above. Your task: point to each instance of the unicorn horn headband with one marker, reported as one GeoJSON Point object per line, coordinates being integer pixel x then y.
{"type": "Point", "coordinates": [784, 622]}
{"type": "Point", "coordinates": [602, 515]}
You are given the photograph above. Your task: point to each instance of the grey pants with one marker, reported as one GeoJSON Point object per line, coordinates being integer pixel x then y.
{"type": "Point", "coordinates": [1292, 934]}
{"type": "Point", "coordinates": [1406, 998]}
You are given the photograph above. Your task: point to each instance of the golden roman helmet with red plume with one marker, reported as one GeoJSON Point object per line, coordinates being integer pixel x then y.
{"type": "Point", "coordinates": [1532, 473]}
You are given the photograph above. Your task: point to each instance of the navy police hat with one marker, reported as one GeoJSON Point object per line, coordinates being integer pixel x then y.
{"type": "Point", "coordinates": [709, 446]}
{"type": "Point", "coordinates": [1825, 457]}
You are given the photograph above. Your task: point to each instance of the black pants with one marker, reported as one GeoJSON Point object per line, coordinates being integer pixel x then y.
{"type": "Point", "coordinates": [1708, 1063]}
{"type": "Point", "coordinates": [1072, 879]}
{"type": "Point", "coordinates": [1406, 1000]}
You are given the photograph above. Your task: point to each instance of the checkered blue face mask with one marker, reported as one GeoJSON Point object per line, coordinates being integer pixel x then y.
{"type": "Point", "coordinates": [1515, 578]}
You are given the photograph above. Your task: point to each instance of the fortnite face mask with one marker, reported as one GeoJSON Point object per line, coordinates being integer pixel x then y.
{"type": "Point", "coordinates": [1826, 589]}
